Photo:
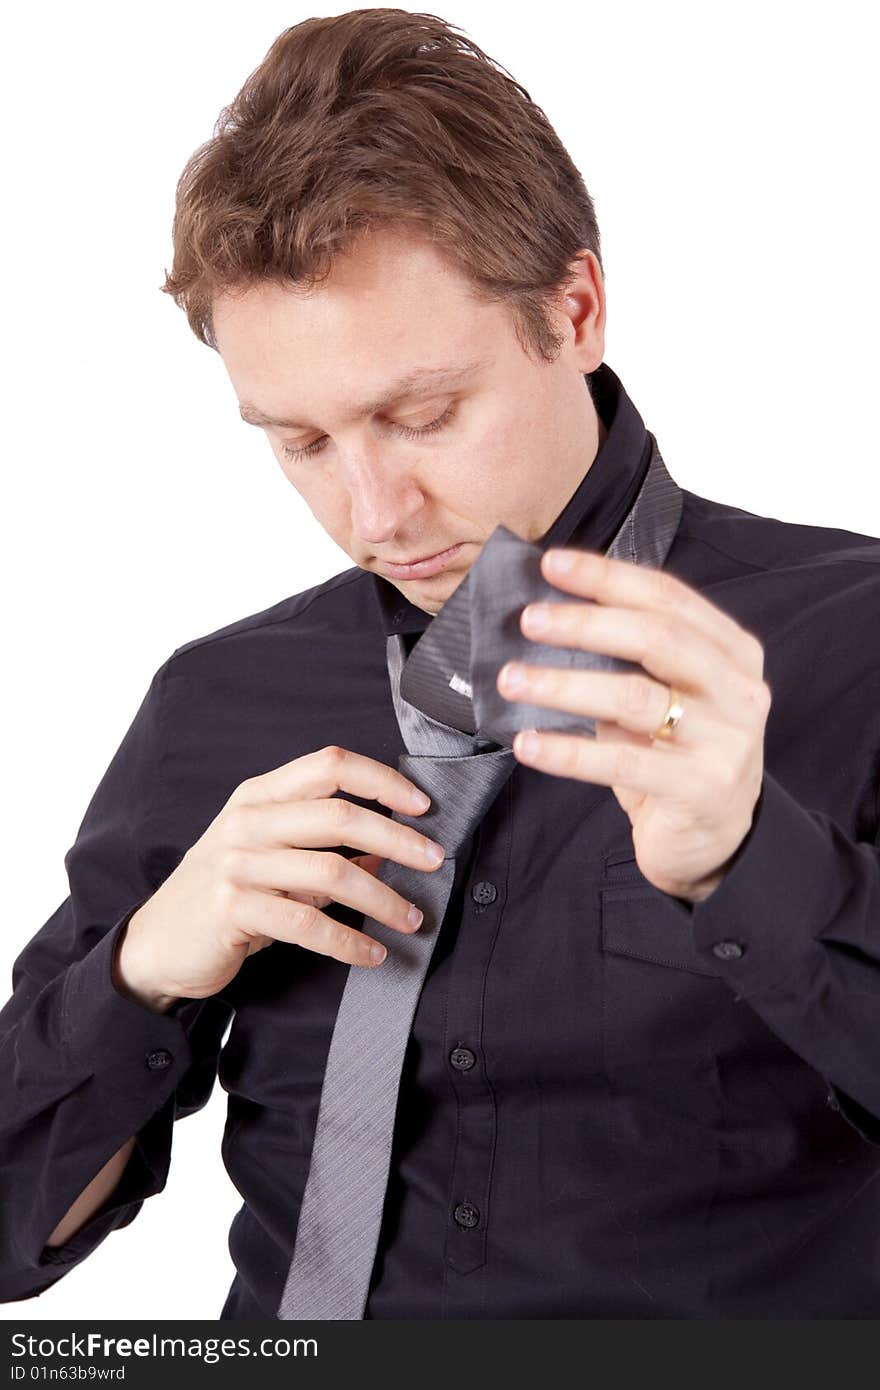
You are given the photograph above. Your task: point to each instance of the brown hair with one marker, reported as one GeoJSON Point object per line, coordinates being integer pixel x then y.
{"type": "Point", "coordinates": [381, 117]}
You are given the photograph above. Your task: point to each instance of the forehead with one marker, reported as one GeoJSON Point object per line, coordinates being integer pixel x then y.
{"type": "Point", "coordinates": [384, 279]}
{"type": "Point", "coordinates": [375, 321]}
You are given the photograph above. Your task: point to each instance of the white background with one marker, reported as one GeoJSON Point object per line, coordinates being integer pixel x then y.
{"type": "Point", "coordinates": [731, 153]}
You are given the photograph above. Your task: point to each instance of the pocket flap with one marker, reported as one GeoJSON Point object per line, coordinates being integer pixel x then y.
{"type": "Point", "coordinates": [638, 922]}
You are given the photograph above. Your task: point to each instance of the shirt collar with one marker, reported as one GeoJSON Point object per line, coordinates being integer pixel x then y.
{"type": "Point", "coordinates": [590, 518]}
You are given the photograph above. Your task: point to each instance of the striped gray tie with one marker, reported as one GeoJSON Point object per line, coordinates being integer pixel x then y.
{"type": "Point", "coordinates": [342, 1205]}
{"type": "Point", "coordinates": [450, 679]}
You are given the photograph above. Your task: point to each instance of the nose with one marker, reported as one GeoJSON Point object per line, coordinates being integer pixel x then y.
{"type": "Point", "coordinates": [383, 497]}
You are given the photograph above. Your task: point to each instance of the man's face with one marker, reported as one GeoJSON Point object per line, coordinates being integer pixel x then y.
{"type": "Point", "coordinates": [507, 439]}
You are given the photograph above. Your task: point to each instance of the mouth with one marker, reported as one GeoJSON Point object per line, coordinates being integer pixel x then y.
{"type": "Point", "coordinates": [421, 569]}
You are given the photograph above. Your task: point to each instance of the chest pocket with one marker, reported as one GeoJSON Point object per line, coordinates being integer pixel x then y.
{"type": "Point", "coordinates": [666, 1013]}
{"type": "Point", "coordinates": [638, 922]}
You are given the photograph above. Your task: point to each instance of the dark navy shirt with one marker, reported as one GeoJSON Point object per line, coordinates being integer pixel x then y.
{"type": "Point", "coordinates": [613, 1104]}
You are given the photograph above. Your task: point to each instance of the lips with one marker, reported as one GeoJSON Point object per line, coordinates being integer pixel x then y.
{"type": "Point", "coordinates": [421, 569]}
{"type": "Point", "coordinates": [420, 559]}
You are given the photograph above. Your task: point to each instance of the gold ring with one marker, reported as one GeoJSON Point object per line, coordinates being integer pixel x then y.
{"type": "Point", "coordinates": [674, 711]}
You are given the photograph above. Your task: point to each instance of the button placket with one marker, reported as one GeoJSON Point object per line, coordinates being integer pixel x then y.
{"type": "Point", "coordinates": [471, 1172]}
{"type": "Point", "coordinates": [484, 890]}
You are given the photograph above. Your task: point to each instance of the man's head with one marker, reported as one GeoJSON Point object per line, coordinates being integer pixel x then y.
{"type": "Point", "coordinates": [379, 201]}
{"type": "Point", "coordinates": [505, 439]}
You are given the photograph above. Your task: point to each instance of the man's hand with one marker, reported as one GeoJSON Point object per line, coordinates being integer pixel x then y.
{"type": "Point", "coordinates": [691, 798]}
{"type": "Point", "coordinates": [267, 865]}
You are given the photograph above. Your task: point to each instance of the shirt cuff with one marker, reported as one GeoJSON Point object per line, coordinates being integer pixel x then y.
{"type": "Point", "coordinates": [133, 1059]}
{"type": "Point", "coordinates": [781, 890]}
{"type": "Point", "coordinates": [105, 1027]}
{"type": "Point", "coordinates": [797, 886]}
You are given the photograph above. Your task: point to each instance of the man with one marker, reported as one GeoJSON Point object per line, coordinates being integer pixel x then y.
{"type": "Point", "coordinates": [642, 1077]}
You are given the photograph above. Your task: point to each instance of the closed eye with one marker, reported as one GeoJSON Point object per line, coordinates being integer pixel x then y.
{"type": "Point", "coordinates": [407, 432]}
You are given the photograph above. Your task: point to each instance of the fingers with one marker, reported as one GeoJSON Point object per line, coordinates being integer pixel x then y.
{"type": "Point", "coordinates": [276, 829]}
{"type": "Point", "coordinates": [332, 769]}
{"type": "Point", "coordinates": [323, 823]}
{"type": "Point", "coordinates": [646, 588]}
{"type": "Point", "coordinates": [633, 702]}
{"type": "Point", "coordinates": [672, 651]}
{"type": "Point", "coordinates": [320, 877]}
{"type": "Point", "coordinates": [668, 650]}
{"type": "Point", "coordinates": [370, 862]}
{"type": "Point", "coordinates": [301, 924]}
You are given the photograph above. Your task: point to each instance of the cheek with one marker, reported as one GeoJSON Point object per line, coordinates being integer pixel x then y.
{"type": "Point", "coordinates": [496, 474]}
{"type": "Point", "coordinates": [326, 501]}
{"type": "Point", "coordinates": [472, 478]}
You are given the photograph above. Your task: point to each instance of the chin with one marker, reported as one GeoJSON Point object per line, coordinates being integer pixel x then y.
{"type": "Point", "coordinates": [431, 594]}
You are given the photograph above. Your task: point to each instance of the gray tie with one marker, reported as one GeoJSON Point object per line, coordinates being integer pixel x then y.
{"type": "Point", "coordinates": [452, 672]}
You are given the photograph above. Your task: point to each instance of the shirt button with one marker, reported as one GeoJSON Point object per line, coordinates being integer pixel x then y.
{"type": "Point", "coordinates": [462, 1058]}
{"type": "Point", "coordinates": [159, 1060]}
{"type": "Point", "coordinates": [466, 1215]}
{"type": "Point", "coordinates": [400, 615]}
{"type": "Point", "coordinates": [484, 892]}
{"type": "Point", "coordinates": [727, 950]}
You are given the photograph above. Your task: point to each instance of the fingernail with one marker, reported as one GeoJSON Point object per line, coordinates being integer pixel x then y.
{"type": "Point", "coordinates": [559, 561]}
{"type": "Point", "coordinates": [420, 801]}
{"type": "Point", "coordinates": [435, 854]}
{"type": "Point", "coordinates": [536, 617]}
{"type": "Point", "coordinates": [513, 676]}
{"type": "Point", "coordinates": [415, 916]}
{"type": "Point", "coordinates": [377, 953]}
{"type": "Point", "coordinates": [526, 745]}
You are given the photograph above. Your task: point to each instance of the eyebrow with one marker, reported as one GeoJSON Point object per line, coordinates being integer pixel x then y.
{"type": "Point", "coordinates": [419, 381]}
